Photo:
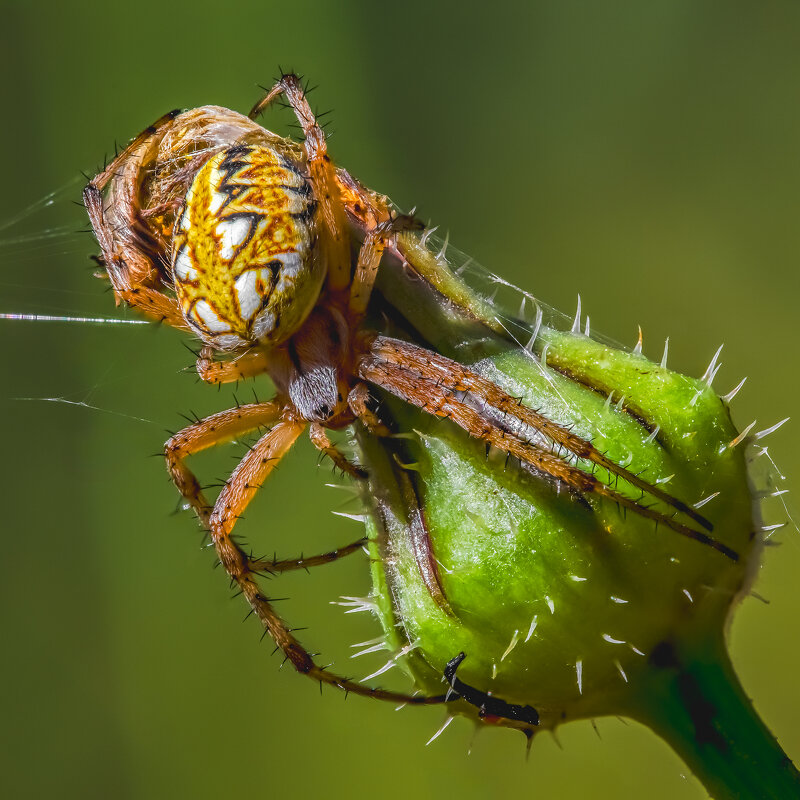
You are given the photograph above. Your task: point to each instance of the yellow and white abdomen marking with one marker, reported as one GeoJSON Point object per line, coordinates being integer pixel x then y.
{"type": "Point", "coordinates": [243, 256]}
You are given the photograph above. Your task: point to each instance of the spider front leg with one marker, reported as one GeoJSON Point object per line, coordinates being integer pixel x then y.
{"type": "Point", "coordinates": [336, 245]}
{"type": "Point", "coordinates": [439, 368]}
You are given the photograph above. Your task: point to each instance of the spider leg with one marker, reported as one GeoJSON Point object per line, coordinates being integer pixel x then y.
{"type": "Point", "coordinates": [213, 430]}
{"type": "Point", "coordinates": [415, 375]}
{"type": "Point", "coordinates": [266, 100]}
{"type": "Point", "coordinates": [239, 368]}
{"type": "Point", "coordinates": [406, 483]}
{"type": "Point", "coordinates": [369, 257]}
{"type": "Point", "coordinates": [101, 179]}
{"type": "Point", "coordinates": [245, 481]}
{"type": "Point", "coordinates": [463, 379]}
{"type": "Point", "coordinates": [128, 272]}
{"type": "Point", "coordinates": [154, 304]}
{"type": "Point", "coordinates": [274, 565]}
{"type": "Point", "coordinates": [131, 248]}
{"type": "Point", "coordinates": [336, 244]}
{"type": "Point", "coordinates": [383, 228]}
{"type": "Point", "coordinates": [321, 441]}
{"type": "Point", "coordinates": [357, 400]}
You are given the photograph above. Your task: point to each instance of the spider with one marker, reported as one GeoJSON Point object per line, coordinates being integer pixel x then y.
{"type": "Point", "coordinates": [212, 224]}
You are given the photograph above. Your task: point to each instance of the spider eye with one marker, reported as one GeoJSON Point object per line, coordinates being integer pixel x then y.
{"type": "Point", "coordinates": [243, 258]}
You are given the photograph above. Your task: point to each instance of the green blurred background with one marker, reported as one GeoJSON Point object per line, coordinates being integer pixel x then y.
{"type": "Point", "coordinates": [646, 155]}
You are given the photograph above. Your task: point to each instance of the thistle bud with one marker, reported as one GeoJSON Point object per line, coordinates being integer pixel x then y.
{"type": "Point", "coordinates": [532, 603]}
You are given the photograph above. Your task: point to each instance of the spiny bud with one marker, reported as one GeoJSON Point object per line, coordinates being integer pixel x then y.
{"type": "Point", "coordinates": [538, 603]}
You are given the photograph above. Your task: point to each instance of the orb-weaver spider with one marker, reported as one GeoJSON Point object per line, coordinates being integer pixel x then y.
{"type": "Point", "coordinates": [216, 226]}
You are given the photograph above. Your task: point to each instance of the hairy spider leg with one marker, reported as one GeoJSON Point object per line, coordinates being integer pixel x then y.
{"type": "Point", "coordinates": [224, 426]}
{"type": "Point", "coordinates": [238, 368]}
{"type": "Point", "coordinates": [321, 441]}
{"type": "Point", "coordinates": [381, 225]}
{"type": "Point", "coordinates": [151, 302]}
{"type": "Point", "coordinates": [239, 490]}
{"type": "Point", "coordinates": [409, 372]}
{"type": "Point", "coordinates": [323, 177]}
{"type": "Point", "coordinates": [383, 228]}
{"type": "Point", "coordinates": [217, 429]}
{"type": "Point", "coordinates": [357, 400]}
{"type": "Point", "coordinates": [130, 152]}
{"type": "Point", "coordinates": [369, 259]}
{"type": "Point", "coordinates": [275, 565]}
{"type": "Point", "coordinates": [128, 270]}
{"type": "Point", "coordinates": [464, 379]}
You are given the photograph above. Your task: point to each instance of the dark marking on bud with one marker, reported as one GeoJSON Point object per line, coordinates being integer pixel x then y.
{"type": "Point", "coordinates": [488, 706]}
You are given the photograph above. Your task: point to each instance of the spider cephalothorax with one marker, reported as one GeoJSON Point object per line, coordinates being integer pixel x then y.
{"type": "Point", "coordinates": [214, 225]}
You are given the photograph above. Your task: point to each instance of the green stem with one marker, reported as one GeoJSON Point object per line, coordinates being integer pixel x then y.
{"type": "Point", "coordinates": [694, 701]}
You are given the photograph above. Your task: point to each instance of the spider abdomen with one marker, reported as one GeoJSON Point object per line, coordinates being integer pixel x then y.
{"type": "Point", "coordinates": [243, 258]}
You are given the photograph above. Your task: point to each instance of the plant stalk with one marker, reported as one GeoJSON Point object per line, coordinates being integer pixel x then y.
{"type": "Point", "coordinates": [693, 699]}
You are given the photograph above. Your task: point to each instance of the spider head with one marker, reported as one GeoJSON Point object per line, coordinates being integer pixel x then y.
{"type": "Point", "coordinates": [243, 259]}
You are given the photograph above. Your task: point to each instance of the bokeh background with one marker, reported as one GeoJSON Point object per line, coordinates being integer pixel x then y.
{"type": "Point", "coordinates": [646, 155]}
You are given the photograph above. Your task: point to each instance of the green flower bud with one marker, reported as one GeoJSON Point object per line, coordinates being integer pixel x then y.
{"type": "Point", "coordinates": [558, 601]}
{"type": "Point", "coordinates": [534, 604]}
